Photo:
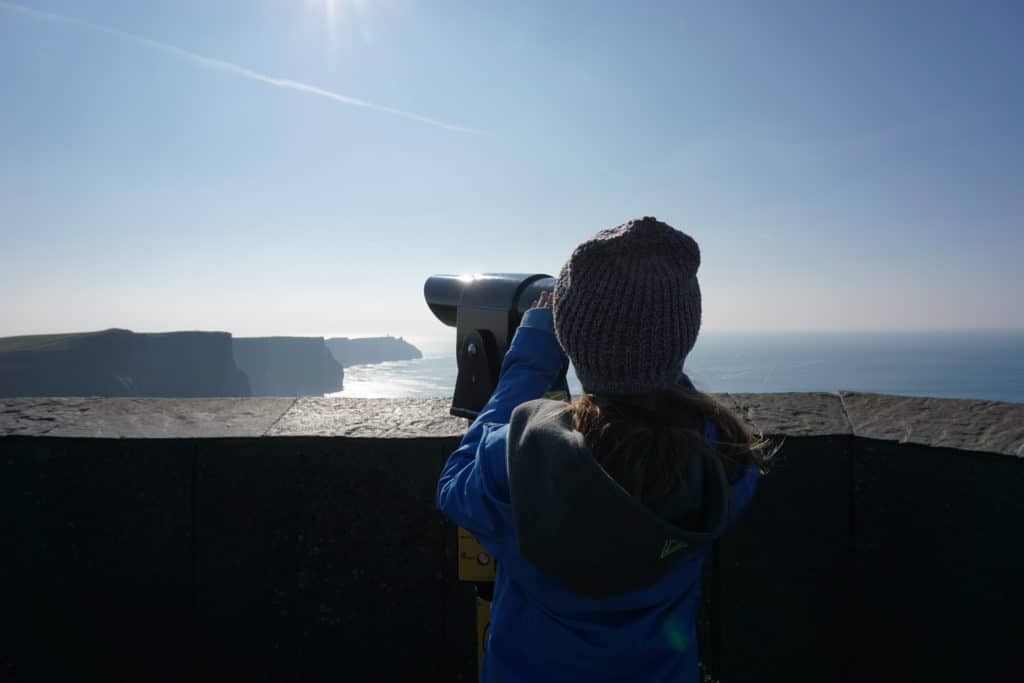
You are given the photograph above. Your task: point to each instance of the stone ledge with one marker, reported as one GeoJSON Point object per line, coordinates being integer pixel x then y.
{"type": "Point", "coordinates": [985, 426]}
{"type": "Point", "coordinates": [792, 414]}
{"type": "Point", "coordinates": [370, 417]}
{"type": "Point", "coordinates": [140, 418]}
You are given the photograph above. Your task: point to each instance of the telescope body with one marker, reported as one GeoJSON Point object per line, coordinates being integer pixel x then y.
{"type": "Point", "coordinates": [485, 310]}
{"type": "Point", "coordinates": [444, 292]}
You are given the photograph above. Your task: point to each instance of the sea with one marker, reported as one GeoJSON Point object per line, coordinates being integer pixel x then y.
{"type": "Point", "coordinates": [972, 365]}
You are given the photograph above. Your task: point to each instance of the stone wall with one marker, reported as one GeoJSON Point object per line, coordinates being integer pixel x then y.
{"type": "Point", "coordinates": [296, 539]}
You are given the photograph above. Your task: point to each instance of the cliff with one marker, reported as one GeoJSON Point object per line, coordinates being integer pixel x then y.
{"type": "Point", "coordinates": [369, 350]}
{"type": "Point", "coordinates": [121, 363]}
{"type": "Point", "coordinates": [288, 366]}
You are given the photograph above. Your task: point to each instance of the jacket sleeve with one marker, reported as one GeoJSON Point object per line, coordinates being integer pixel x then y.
{"type": "Point", "coordinates": [473, 488]}
{"type": "Point", "coordinates": [741, 494]}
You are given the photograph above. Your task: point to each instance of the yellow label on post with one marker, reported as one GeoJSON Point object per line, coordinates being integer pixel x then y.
{"type": "Point", "coordinates": [475, 563]}
{"type": "Point", "coordinates": [483, 622]}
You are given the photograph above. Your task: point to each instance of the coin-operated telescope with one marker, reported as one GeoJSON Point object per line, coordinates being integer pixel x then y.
{"type": "Point", "coordinates": [485, 310]}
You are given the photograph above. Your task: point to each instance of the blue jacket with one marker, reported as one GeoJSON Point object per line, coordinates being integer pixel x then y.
{"type": "Point", "coordinates": [591, 585]}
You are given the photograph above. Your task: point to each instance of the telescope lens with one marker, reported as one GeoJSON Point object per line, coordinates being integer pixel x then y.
{"type": "Point", "coordinates": [443, 293]}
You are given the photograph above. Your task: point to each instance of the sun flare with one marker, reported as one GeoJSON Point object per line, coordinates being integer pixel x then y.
{"type": "Point", "coordinates": [336, 14]}
{"type": "Point", "coordinates": [331, 11]}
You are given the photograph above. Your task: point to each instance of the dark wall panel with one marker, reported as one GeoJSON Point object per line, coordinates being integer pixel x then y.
{"type": "Point", "coordinates": [785, 571]}
{"type": "Point", "coordinates": [321, 559]}
{"type": "Point", "coordinates": [939, 541]}
{"type": "Point", "coordinates": [324, 558]}
{"type": "Point", "coordinates": [96, 575]}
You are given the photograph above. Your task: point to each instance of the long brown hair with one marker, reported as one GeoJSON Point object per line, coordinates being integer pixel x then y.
{"type": "Point", "coordinates": [642, 440]}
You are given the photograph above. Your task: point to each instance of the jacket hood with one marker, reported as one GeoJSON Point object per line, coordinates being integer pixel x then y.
{"type": "Point", "coordinates": [581, 528]}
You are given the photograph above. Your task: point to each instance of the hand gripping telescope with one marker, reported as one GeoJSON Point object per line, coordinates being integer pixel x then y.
{"type": "Point", "coordinates": [485, 310]}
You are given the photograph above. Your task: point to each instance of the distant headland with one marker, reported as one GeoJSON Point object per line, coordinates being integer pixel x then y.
{"type": "Point", "coordinates": [119, 362]}
{"type": "Point", "coordinates": [288, 366]}
{"type": "Point", "coordinates": [369, 350]}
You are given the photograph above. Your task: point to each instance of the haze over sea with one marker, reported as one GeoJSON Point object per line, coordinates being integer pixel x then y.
{"type": "Point", "coordinates": [987, 365]}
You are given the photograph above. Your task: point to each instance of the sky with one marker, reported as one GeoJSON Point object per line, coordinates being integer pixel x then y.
{"type": "Point", "coordinates": [302, 166]}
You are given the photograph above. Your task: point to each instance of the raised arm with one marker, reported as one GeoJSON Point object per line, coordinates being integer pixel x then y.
{"type": "Point", "coordinates": [473, 487]}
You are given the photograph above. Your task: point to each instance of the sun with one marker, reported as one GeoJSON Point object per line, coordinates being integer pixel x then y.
{"type": "Point", "coordinates": [330, 11]}
{"type": "Point", "coordinates": [338, 13]}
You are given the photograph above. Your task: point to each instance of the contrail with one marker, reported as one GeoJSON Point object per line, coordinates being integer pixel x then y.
{"type": "Point", "coordinates": [228, 67]}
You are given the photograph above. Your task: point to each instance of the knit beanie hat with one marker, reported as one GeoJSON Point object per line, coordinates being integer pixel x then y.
{"type": "Point", "coordinates": [627, 307]}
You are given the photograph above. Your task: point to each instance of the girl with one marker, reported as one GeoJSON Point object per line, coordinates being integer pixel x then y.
{"type": "Point", "coordinates": [600, 512]}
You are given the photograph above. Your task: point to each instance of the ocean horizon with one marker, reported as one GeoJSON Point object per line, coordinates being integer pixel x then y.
{"type": "Point", "coordinates": [979, 365]}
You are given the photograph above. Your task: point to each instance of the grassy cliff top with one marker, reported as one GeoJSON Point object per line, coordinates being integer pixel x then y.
{"type": "Point", "coordinates": [62, 341]}
{"type": "Point", "coordinates": [41, 342]}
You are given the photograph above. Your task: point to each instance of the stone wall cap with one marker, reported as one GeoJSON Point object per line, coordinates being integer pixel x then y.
{"type": "Point", "coordinates": [792, 414]}
{"type": "Point", "coordinates": [204, 418]}
{"type": "Point", "coordinates": [140, 418]}
{"type": "Point", "coordinates": [985, 426]}
{"type": "Point", "coordinates": [370, 418]}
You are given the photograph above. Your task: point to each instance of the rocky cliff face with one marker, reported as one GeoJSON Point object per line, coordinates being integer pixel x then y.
{"type": "Point", "coordinates": [288, 366]}
{"type": "Point", "coordinates": [371, 350]}
{"type": "Point", "coordinates": [121, 363]}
